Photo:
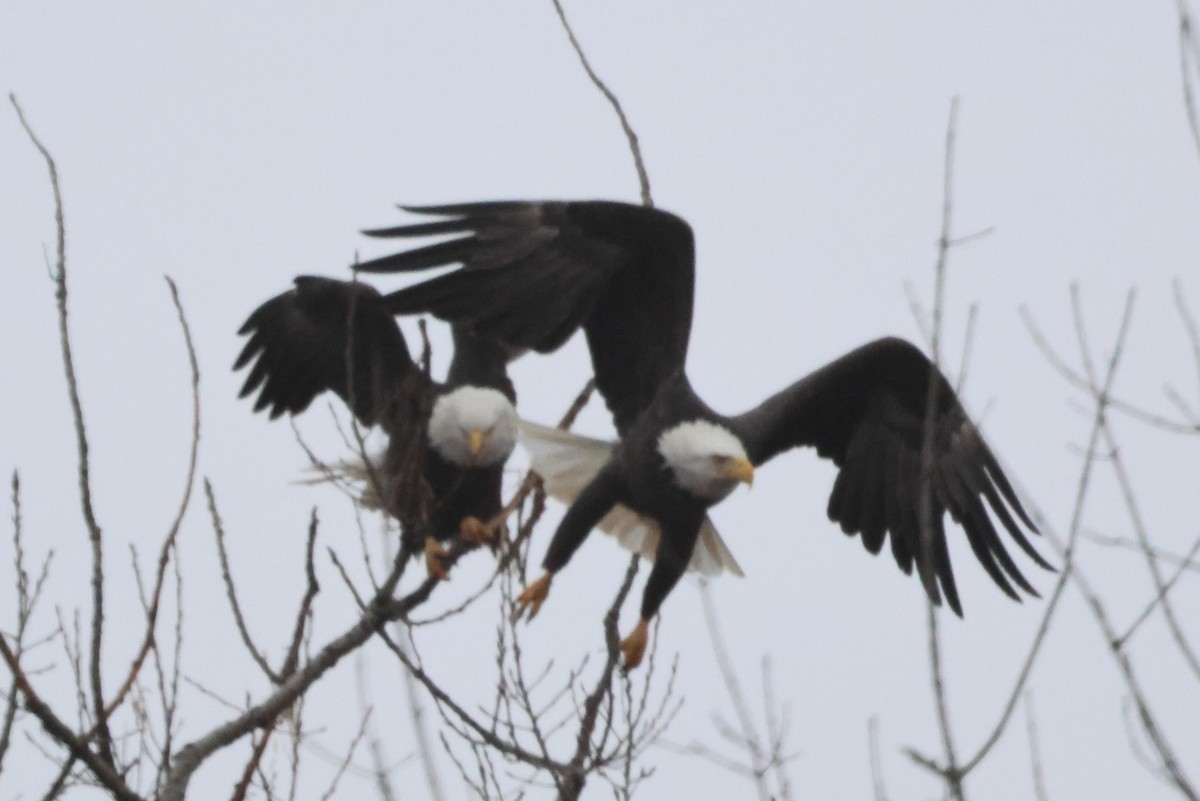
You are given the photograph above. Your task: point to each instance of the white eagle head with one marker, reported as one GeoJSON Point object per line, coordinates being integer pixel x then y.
{"type": "Point", "coordinates": [473, 427]}
{"type": "Point", "coordinates": [705, 459]}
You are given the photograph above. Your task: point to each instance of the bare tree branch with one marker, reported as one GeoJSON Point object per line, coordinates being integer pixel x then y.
{"type": "Point", "coordinates": [104, 738]}
{"type": "Point", "coordinates": [1068, 552]}
{"type": "Point", "coordinates": [28, 594]}
{"type": "Point", "coordinates": [576, 773]}
{"type": "Point", "coordinates": [760, 760]}
{"type": "Point", "coordinates": [634, 148]}
{"type": "Point", "coordinates": [345, 763]}
{"type": "Point", "coordinates": [1101, 393]}
{"type": "Point", "coordinates": [256, 753]}
{"type": "Point", "coordinates": [381, 609]}
{"type": "Point", "coordinates": [1189, 62]}
{"type": "Point", "coordinates": [231, 591]}
{"type": "Point", "coordinates": [950, 772]}
{"type": "Point", "coordinates": [1079, 380]}
{"type": "Point", "coordinates": [1035, 754]}
{"type": "Point", "coordinates": [1162, 587]}
{"type": "Point", "coordinates": [1186, 563]}
{"type": "Point", "coordinates": [379, 769]}
{"type": "Point", "coordinates": [1192, 330]}
{"type": "Point", "coordinates": [488, 736]}
{"type": "Point", "coordinates": [417, 711]}
{"type": "Point", "coordinates": [101, 769]}
{"type": "Point", "coordinates": [173, 530]}
{"type": "Point", "coordinates": [1172, 770]}
{"type": "Point", "coordinates": [877, 785]}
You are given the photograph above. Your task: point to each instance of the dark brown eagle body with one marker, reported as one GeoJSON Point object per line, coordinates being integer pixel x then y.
{"type": "Point", "coordinates": [448, 494]}
{"type": "Point", "coordinates": [639, 478]}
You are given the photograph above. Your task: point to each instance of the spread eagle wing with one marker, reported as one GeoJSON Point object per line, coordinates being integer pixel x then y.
{"type": "Point", "coordinates": [327, 335]}
{"type": "Point", "coordinates": [534, 272]}
{"type": "Point", "coordinates": [866, 411]}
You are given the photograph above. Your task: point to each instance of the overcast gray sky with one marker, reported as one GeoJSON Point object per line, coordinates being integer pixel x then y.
{"type": "Point", "coordinates": [234, 146]}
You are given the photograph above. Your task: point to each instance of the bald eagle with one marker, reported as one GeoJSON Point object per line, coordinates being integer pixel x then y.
{"type": "Point", "coordinates": [534, 272]}
{"type": "Point", "coordinates": [447, 443]}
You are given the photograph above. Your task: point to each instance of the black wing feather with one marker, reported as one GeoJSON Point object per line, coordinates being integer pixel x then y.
{"type": "Point", "coordinates": [535, 272]}
{"type": "Point", "coordinates": [870, 518]}
{"type": "Point", "coordinates": [866, 412]}
{"type": "Point", "coordinates": [941, 568]}
{"type": "Point", "coordinates": [894, 510]}
{"type": "Point", "coordinates": [302, 343]}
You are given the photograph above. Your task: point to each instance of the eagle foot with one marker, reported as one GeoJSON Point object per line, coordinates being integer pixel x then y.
{"type": "Point", "coordinates": [475, 532]}
{"type": "Point", "coordinates": [434, 554]}
{"type": "Point", "coordinates": [532, 597]}
{"type": "Point", "coordinates": [633, 647]}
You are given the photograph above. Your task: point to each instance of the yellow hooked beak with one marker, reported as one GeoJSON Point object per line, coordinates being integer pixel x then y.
{"type": "Point", "coordinates": [476, 439]}
{"type": "Point", "coordinates": [739, 470]}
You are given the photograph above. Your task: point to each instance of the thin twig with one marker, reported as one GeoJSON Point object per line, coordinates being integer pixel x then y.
{"type": "Point", "coordinates": [1189, 326]}
{"type": "Point", "coordinates": [345, 763]}
{"type": "Point", "coordinates": [1161, 586]}
{"type": "Point", "coordinates": [1035, 754]}
{"type": "Point", "coordinates": [777, 731]}
{"type": "Point", "coordinates": [1068, 552]}
{"type": "Point", "coordinates": [576, 774]}
{"type": "Point", "coordinates": [950, 772]}
{"type": "Point", "coordinates": [443, 699]}
{"type": "Point", "coordinates": [1171, 769]}
{"type": "Point", "coordinates": [256, 754]}
{"type": "Point", "coordinates": [231, 592]}
{"type": "Point", "coordinates": [170, 692]}
{"type": "Point", "coordinates": [1185, 564]}
{"type": "Point", "coordinates": [27, 597]}
{"type": "Point", "coordinates": [310, 593]}
{"type": "Point", "coordinates": [630, 135]}
{"type": "Point", "coordinates": [1076, 378]}
{"type": "Point", "coordinates": [381, 609]}
{"type": "Point", "coordinates": [1189, 54]}
{"type": "Point", "coordinates": [378, 771]}
{"type": "Point", "coordinates": [95, 536]}
{"type": "Point", "coordinates": [417, 711]}
{"type": "Point", "coordinates": [759, 761]}
{"type": "Point", "coordinates": [877, 784]}
{"type": "Point", "coordinates": [173, 530]}
{"type": "Point", "coordinates": [103, 772]}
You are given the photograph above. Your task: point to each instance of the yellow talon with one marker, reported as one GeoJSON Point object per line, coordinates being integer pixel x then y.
{"type": "Point", "coordinates": [633, 647]}
{"type": "Point", "coordinates": [532, 597]}
{"type": "Point", "coordinates": [434, 553]}
{"type": "Point", "coordinates": [475, 532]}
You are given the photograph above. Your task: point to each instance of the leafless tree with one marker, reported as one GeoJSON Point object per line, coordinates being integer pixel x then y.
{"type": "Point", "coordinates": [545, 727]}
{"type": "Point", "coordinates": [1101, 451]}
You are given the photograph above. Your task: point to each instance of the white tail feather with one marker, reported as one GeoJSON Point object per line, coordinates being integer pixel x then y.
{"type": "Point", "coordinates": [352, 475]}
{"type": "Point", "coordinates": [568, 462]}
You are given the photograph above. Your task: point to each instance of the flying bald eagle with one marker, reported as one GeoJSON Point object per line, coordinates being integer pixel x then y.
{"type": "Point", "coordinates": [534, 272]}
{"type": "Point", "coordinates": [447, 443]}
